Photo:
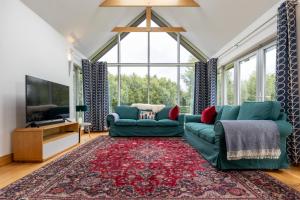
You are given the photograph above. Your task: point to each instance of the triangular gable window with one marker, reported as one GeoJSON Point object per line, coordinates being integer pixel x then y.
{"type": "Point", "coordinates": [150, 69]}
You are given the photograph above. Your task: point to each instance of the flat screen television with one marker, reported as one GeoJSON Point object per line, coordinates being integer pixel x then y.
{"type": "Point", "coordinates": [46, 100]}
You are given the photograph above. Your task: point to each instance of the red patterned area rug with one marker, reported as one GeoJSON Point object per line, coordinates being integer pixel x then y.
{"type": "Point", "coordinates": [142, 168]}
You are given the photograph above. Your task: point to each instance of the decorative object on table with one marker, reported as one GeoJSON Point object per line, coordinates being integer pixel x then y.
{"type": "Point", "coordinates": [287, 85]}
{"type": "Point", "coordinates": [95, 93]}
{"type": "Point", "coordinates": [80, 108]}
{"type": "Point", "coordinates": [86, 173]}
{"type": "Point", "coordinates": [86, 126]}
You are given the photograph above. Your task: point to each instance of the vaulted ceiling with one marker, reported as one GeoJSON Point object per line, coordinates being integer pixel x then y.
{"type": "Point", "coordinates": [209, 27]}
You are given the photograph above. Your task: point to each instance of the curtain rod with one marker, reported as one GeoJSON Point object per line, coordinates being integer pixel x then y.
{"type": "Point", "coordinates": [247, 36]}
{"type": "Point", "coordinates": [150, 64]}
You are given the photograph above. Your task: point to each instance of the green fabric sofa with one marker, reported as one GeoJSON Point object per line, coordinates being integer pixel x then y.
{"type": "Point", "coordinates": [209, 139]}
{"type": "Point", "coordinates": [125, 122]}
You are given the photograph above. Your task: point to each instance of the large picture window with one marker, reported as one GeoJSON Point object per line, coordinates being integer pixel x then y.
{"type": "Point", "coordinates": [229, 87]}
{"type": "Point", "coordinates": [251, 78]}
{"type": "Point", "coordinates": [150, 68]}
{"type": "Point", "coordinates": [219, 87]}
{"type": "Point", "coordinates": [248, 79]}
{"type": "Point", "coordinates": [134, 85]}
{"type": "Point", "coordinates": [113, 87]}
{"type": "Point", "coordinates": [270, 63]}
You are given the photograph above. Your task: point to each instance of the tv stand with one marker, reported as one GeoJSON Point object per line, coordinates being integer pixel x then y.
{"type": "Point", "coordinates": [37, 144]}
{"type": "Point", "coordinates": [37, 124]}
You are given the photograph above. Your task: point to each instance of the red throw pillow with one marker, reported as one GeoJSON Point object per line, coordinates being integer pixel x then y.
{"type": "Point", "coordinates": [174, 112]}
{"type": "Point", "coordinates": [208, 115]}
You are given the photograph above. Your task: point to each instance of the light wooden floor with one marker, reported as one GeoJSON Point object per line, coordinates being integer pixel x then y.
{"type": "Point", "coordinates": [14, 171]}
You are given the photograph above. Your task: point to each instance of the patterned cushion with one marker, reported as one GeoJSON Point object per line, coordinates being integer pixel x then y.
{"type": "Point", "coordinates": [146, 114]}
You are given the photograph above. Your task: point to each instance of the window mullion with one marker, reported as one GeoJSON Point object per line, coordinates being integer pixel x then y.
{"type": "Point", "coordinates": [237, 83]}
{"type": "Point", "coordinates": [178, 69]}
{"type": "Point", "coordinates": [148, 60]}
{"type": "Point", "coordinates": [260, 75]}
{"type": "Point", "coordinates": [119, 70]}
{"type": "Point", "coordinates": [222, 86]}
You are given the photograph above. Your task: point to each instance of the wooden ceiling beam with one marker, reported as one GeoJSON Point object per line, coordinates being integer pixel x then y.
{"type": "Point", "coordinates": [145, 29]}
{"type": "Point", "coordinates": [148, 17]}
{"type": "Point", "coordinates": [149, 3]}
{"type": "Point", "coordinates": [148, 28]}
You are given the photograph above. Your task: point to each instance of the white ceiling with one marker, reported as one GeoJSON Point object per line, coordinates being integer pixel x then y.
{"type": "Point", "coordinates": [209, 27]}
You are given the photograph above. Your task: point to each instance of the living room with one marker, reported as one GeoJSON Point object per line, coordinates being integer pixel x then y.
{"type": "Point", "coordinates": [149, 99]}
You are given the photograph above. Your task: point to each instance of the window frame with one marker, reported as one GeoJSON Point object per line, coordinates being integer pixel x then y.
{"type": "Point", "coordinates": [224, 89]}
{"type": "Point", "coordinates": [148, 64]}
{"type": "Point", "coordinates": [180, 39]}
{"type": "Point", "coordinates": [260, 74]}
{"type": "Point", "coordinates": [238, 76]}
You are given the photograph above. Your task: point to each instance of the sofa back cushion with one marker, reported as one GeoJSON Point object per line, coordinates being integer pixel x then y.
{"type": "Point", "coordinates": [163, 114]}
{"type": "Point", "coordinates": [219, 110]}
{"type": "Point", "coordinates": [230, 112]}
{"type": "Point", "coordinates": [127, 112]}
{"type": "Point", "coordinates": [268, 110]}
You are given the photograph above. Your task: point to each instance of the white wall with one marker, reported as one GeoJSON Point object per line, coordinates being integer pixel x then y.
{"type": "Point", "coordinates": [263, 29]}
{"type": "Point", "coordinates": [28, 46]}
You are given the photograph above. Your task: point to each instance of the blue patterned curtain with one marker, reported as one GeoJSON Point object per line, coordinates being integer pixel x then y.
{"type": "Point", "coordinates": [95, 92]}
{"type": "Point", "coordinates": [212, 80]}
{"type": "Point", "coordinates": [287, 87]}
{"type": "Point", "coordinates": [205, 87]}
{"type": "Point", "coordinates": [201, 92]}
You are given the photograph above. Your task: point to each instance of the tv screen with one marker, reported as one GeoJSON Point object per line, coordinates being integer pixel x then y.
{"type": "Point", "coordinates": [46, 100]}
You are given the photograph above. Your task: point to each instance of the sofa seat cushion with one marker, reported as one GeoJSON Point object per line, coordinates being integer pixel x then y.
{"type": "Point", "coordinates": [146, 122]}
{"type": "Point", "coordinates": [204, 131]}
{"type": "Point", "coordinates": [125, 122]}
{"type": "Point", "coordinates": [167, 122]}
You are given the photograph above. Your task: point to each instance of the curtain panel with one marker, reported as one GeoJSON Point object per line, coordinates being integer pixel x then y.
{"type": "Point", "coordinates": [212, 80]}
{"type": "Point", "coordinates": [201, 96]}
{"type": "Point", "coordinates": [287, 88]}
{"type": "Point", "coordinates": [205, 87]}
{"type": "Point", "coordinates": [95, 92]}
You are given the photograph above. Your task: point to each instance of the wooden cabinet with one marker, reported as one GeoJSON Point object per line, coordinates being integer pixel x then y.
{"type": "Point", "coordinates": [39, 144]}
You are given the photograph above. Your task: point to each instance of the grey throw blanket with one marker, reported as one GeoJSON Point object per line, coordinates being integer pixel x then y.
{"type": "Point", "coordinates": [251, 139]}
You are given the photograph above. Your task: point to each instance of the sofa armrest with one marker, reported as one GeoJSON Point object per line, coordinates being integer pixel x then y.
{"type": "Point", "coordinates": [282, 116]}
{"type": "Point", "coordinates": [284, 128]}
{"type": "Point", "coordinates": [181, 119]}
{"type": "Point", "coordinates": [111, 119]}
{"type": "Point", "coordinates": [192, 118]}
